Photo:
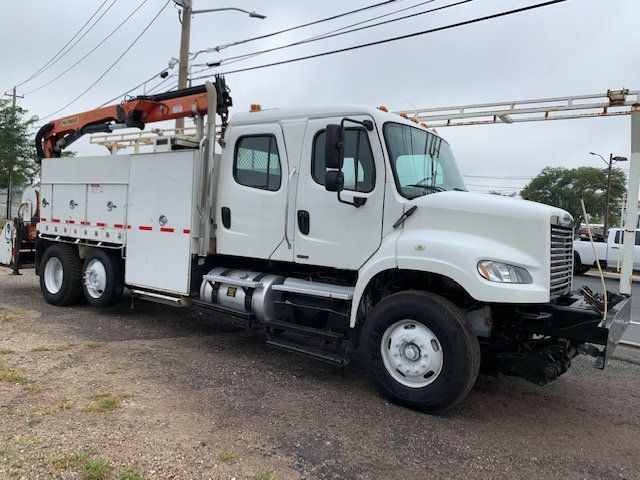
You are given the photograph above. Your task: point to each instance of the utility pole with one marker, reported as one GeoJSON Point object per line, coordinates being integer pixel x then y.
{"type": "Point", "coordinates": [610, 163]}
{"type": "Point", "coordinates": [183, 66]}
{"type": "Point", "coordinates": [606, 207]}
{"type": "Point", "coordinates": [10, 160]}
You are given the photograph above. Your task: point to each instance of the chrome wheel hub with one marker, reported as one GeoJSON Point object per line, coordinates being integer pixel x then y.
{"type": "Point", "coordinates": [95, 278]}
{"type": "Point", "coordinates": [411, 353]}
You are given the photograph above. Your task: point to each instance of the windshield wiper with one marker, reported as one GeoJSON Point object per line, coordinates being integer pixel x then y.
{"type": "Point", "coordinates": [460, 189]}
{"type": "Point", "coordinates": [433, 188]}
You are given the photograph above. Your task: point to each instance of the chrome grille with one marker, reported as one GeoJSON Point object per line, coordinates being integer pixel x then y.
{"type": "Point", "coordinates": [561, 260]}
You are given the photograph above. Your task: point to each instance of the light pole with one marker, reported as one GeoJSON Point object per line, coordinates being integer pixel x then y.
{"type": "Point", "coordinates": [185, 36]}
{"type": "Point", "coordinates": [610, 163]}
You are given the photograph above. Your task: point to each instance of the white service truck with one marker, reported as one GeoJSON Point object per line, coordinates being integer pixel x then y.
{"type": "Point", "coordinates": [608, 252]}
{"type": "Point", "coordinates": [342, 232]}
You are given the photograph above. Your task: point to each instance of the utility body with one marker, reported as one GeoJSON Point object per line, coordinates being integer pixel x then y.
{"type": "Point", "coordinates": [342, 232]}
{"type": "Point", "coordinates": [608, 252]}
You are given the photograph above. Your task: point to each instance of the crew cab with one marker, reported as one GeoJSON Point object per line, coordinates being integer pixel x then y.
{"type": "Point", "coordinates": [608, 252]}
{"type": "Point", "coordinates": [342, 232]}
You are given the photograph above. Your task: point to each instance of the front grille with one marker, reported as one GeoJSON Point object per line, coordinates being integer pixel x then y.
{"type": "Point", "coordinates": [561, 260]}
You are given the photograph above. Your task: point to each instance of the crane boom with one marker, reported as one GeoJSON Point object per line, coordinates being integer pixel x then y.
{"type": "Point", "coordinates": [57, 135]}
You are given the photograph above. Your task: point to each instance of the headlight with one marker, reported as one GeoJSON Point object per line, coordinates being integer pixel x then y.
{"type": "Point", "coordinates": [503, 273]}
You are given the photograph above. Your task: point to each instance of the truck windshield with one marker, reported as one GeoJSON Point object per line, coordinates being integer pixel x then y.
{"type": "Point", "coordinates": [422, 163]}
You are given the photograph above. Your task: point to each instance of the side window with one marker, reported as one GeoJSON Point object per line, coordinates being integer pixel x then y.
{"type": "Point", "coordinates": [637, 238]}
{"type": "Point", "coordinates": [617, 239]}
{"type": "Point", "coordinates": [358, 168]}
{"type": "Point", "coordinates": [257, 162]}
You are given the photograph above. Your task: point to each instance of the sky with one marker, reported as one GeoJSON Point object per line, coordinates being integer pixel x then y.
{"type": "Point", "coordinates": [572, 48]}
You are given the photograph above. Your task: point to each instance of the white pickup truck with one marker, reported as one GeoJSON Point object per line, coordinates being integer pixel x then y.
{"type": "Point", "coordinates": [609, 252]}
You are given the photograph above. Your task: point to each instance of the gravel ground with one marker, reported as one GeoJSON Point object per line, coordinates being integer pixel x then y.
{"type": "Point", "coordinates": [157, 392]}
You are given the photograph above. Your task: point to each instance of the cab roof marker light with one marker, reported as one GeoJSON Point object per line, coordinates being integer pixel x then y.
{"type": "Point", "coordinates": [383, 108]}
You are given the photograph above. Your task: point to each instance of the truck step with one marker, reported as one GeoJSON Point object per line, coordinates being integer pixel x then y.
{"type": "Point", "coordinates": [232, 317]}
{"type": "Point", "coordinates": [314, 352]}
{"type": "Point", "coordinates": [303, 329]}
{"type": "Point", "coordinates": [315, 289]}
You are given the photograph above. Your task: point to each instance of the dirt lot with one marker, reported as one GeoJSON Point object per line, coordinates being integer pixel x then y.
{"type": "Point", "coordinates": [157, 392]}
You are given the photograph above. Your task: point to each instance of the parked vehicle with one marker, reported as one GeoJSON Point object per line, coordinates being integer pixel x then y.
{"type": "Point", "coordinates": [18, 235]}
{"type": "Point", "coordinates": [342, 232]}
{"type": "Point", "coordinates": [608, 252]}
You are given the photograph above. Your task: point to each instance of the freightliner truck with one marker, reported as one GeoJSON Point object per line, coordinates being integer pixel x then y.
{"type": "Point", "coordinates": [344, 233]}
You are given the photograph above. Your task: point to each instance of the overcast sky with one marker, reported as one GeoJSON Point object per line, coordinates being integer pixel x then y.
{"type": "Point", "coordinates": [573, 48]}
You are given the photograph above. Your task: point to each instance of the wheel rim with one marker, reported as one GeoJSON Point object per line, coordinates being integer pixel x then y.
{"type": "Point", "coordinates": [53, 275]}
{"type": "Point", "coordinates": [95, 278]}
{"type": "Point", "coordinates": [411, 353]}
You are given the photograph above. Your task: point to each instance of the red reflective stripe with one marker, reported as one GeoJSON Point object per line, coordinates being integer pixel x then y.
{"type": "Point", "coordinates": [145, 228]}
{"type": "Point", "coordinates": [85, 223]}
{"type": "Point", "coordinates": [118, 225]}
{"type": "Point", "coordinates": [186, 231]}
{"type": "Point", "coordinates": [71, 222]}
{"type": "Point", "coordinates": [55, 220]}
{"type": "Point", "coordinates": [43, 219]}
{"type": "Point", "coordinates": [167, 229]}
{"type": "Point", "coordinates": [128, 227]}
{"type": "Point", "coordinates": [100, 224]}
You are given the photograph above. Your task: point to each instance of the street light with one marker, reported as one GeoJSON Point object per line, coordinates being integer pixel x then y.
{"type": "Point", "coordinates": [251, 14]}
{"type": "Point", "coordinates": [610, 163]}
{"type": "Point", "coordinates": [185, 35]}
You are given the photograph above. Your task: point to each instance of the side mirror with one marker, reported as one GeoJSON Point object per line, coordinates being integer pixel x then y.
{"type": "Point", "coordinates": [334, 181]}
{"type": "Point", "coordinates": [334, 147]}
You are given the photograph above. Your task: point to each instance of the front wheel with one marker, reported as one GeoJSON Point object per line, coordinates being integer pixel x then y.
{"type": "Point", "coordinates": [420, 351]}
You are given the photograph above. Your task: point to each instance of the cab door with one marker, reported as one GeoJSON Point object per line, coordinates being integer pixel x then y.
{"type": "Point", "coordinates": [252, 194]}
{"type": "Point", "coordinates": [328, 232]}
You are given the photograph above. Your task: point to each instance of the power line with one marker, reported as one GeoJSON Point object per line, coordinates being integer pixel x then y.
{"type": "Point", "coordinates": [338, 32]}
{"type": "Point", "coordinates": [290, 29]}
{"type": "Point", "coordinates": [392, 39]}
{"type": "Point", "coordinates": [90, 51]}
{"type": "Point", "coordinates": [507, 177]}
{"type": "Point", "coordinates": [64, 50]}
{"type": "Point", "coordinates": [114, 63]}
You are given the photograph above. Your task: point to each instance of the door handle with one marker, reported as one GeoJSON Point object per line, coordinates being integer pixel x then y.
{"type": "Point", "coordinates": [226, 217]}
{"type": "Point", "coordinates": [615, 248]}
{"type": "Point", "coordinates": [286, 208]}
{"type": "Point", "coordinates": [304, 223]}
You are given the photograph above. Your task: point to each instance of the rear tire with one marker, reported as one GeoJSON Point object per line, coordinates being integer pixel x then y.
{"type": "Point", "coordinates": [102, 278]}
{"type": "Point", "coordinates": [420, 351]}
{"type": "Point", "coordinates": [61, 277]}
{"type": "Point", "coordinates": [578, 267]}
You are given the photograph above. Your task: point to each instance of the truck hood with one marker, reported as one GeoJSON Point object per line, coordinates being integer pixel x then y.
{"type": "Point", "coordinates": [493, 206]}
{"type": "Point", "coordinates": [450, 232]}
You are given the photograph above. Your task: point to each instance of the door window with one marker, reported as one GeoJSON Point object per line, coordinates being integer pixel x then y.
{"type": "Point", "coordinates": [257, 162]}
{"type": "Point", "coordinates": [358, 167]}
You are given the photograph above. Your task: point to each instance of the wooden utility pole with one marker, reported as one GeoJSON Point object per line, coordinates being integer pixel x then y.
{"type": "Point", "coordinates": [10, 160]}
{"type": "Point", "coordinates": [183, 66]}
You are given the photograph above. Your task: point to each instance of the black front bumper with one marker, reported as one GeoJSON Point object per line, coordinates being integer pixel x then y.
{"type": "Point", "coordinates": [572, 318]}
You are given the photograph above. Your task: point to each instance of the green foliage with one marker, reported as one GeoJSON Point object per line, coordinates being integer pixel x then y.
{"type": "Point", "coordinates": [17, 149]}
{"type": "Point", "coordinates": [96, 469]}
{"type": "Point", "coordinates": [563, 188]}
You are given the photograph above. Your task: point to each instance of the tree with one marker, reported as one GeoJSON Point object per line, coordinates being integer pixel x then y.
{"type": "Point", "coordinates": [17, 150]}
{"type": "Point", "coordinates": [563, 188]}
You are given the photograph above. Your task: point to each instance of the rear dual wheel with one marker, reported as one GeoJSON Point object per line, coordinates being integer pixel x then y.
{"type": "Point", "coordinates": [102, 278]}
{"type": "Point", "coordinates": [64, 277]}
{"type": "Point", "coordinates": [420, 351]}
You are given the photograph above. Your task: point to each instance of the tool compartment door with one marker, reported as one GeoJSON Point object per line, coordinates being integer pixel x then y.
{"type": "Point", "coordinates": [160, 205]}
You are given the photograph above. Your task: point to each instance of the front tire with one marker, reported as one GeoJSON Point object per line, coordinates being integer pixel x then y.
{"type": "Point", "coordinates": [102, 278]}
{"type": "Point", "coordinates": [61, 278]}
{"type": "Point", "coordinates": [420, 351]}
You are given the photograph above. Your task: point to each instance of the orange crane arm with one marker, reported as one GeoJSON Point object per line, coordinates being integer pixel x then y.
{"type": "Point", "coordinates": [55, 136]}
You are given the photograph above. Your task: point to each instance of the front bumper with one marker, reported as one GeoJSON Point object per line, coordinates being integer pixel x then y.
{"type": "Point", "coordinates": [572, 318]}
